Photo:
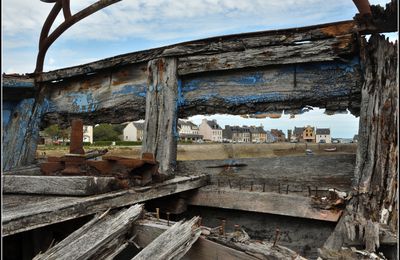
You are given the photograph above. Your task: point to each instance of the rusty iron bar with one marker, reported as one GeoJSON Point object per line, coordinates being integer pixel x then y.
{"type": "Point", "coordinates": [76, 144]}
{"type": "Point", "coordinates": [46, 40]}
{"type": "Point", "coordinates": [277, 233]}
{"type": "Point", "coordinates": [222, 231]}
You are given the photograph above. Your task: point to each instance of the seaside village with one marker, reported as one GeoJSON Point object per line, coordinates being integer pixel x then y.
{"type": "Point", "coordinates": [209, 131]}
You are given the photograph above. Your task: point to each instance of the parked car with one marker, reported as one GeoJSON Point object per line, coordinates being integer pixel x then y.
{"type": "Point", "coordinates": [309, 152]}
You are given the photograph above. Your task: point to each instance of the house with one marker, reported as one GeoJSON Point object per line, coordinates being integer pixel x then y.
{"type": "Point", "coordinates": [88, 133]}
{"type": "Point", "coordinates": [309, 134]}
{"type": "Point", "coordinates": [323, 135]}
{"type": "Point", "coordinates": [232, 133]}
{"type": "Point", "coordinates": [210, 130]}
{"type": "Point", "coordinates": [270, 138]}
{"type": "Point", "coordinates": [297, 135]}
{"type": "Point", "coordinates": [279, 135]}
{"type": "Point", "coordinates": [133, 131]}
{"type": "Point", "coordinates": [258, 134]}
{"type": "Point", "coordinates": [188, 131]}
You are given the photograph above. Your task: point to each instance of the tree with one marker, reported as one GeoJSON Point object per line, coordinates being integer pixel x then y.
{"type": "Point", "coordinates": [52, 131]}
{"type": "Point", "coordinates": [105, 132]}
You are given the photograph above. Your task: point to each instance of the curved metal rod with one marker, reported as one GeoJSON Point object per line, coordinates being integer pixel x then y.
{"type": "Point", "coordinates": [46, 40]}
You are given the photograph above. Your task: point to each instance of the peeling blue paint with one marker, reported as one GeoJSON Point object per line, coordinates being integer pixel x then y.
{"type": "Point", "coordinates": [11, 83]}
{"type": "Point", "coordinates": [180, 98]}
{"type": "Point", "coordinates": [83, 102]}
{"type": "Point", "coordinates": [137, 90]}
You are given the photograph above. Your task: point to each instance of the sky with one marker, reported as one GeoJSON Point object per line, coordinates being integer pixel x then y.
{"type": "Point", "coordinates": [133, 25]}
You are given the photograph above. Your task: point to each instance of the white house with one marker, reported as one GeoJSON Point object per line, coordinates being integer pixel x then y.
{"type": "Point", "coordinates": [133, 131]}
{"type": "Point", "coordinates": [188, 131]}
{"type": "Point", "coordinates": [88, 133]}
{"type": "Point", "coordinates": [323, 135]}
{"type": "Point", "coordinates": [210, 130]}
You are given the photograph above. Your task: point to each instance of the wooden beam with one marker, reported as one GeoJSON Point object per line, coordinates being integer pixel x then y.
{"type": "Point", "coordinates": [308, 51]}
{"type": "Point", "coordinates": [173, 243]}
{"type": "Point", "coordinates": [57, 185]}
{"type": "Point", "coordinates": [92, 240]}
{"type": "Point", "coordinates": [210, 46]}
{"type": "Point", "coordinates": [160, 133]}
{"type": "Point", "coordinates": [300, 175]}
{"type": "Point", "coordinates": [262, 202]}
{"type": "Point", "coordinates": [26, 212]}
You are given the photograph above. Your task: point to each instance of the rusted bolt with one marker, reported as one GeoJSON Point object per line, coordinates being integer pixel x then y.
{"type": "Point", "coordinates": [277, 232]}
{"type": "Point", "coordinates": [158, 213]}
{"type": "Point", "coordinates": [287, 189]}
{"type": "Point", "coordinates": [167, 218]}
{"type": "Point", "coordinates": [223, 227]}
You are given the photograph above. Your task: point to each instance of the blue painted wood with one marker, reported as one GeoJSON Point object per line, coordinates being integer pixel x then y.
{"type": "Point", "coordinates": [21, 133]}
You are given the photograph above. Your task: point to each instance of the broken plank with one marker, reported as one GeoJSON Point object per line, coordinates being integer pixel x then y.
{"type": "Point", "coordinates": [38, 211]}
{"type": "Point", "coordinates": [262, 202]}
{"type": "Point", "coordinates": [310, 51]}
{"type": "Point", "coordinates": [57, 185]}
{"type": "Point", "coordinates": [93, 238]}
{"type": "Point", "coordinates": [148, 230]}
{"type": "Point", "coordinates": [173, 243]}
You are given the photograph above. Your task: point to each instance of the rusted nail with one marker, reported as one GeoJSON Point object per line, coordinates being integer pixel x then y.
{"type": "Point", "coordinates": [167, 218]}
{"type": "Point", "coordinates": [264, 187]}
{"type": "Point", "coordinates": [287, 189]}
{"type": "Point", "coordinates": [158, 213]}
{"type": "Point", "coordinates": [277, 232]}
{"type": "Point", "coordinates": [251, 186]}
{"type": "Point", "coordinates": [316, 191]}
{"type": "Point", "coordinates": [309, 191]}
{"type": "Point", "coordinates": [279, 188]}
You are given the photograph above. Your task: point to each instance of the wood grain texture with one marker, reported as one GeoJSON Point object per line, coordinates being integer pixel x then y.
{"type": "Point", "coordinates": [160, 132]}
{"type": "Point", "coordinates": [296, 174]}
{"type": "Point", "coordinates": [26, 212]}
{"type": "Point", "coordinates": [210, 46]}
{"type": "Point", "coordinates": [57, 185]}
{"type": "Point", "coordinates": [94, 237]}
{"type": "Point", "coordinates": [311, 51]}
{"type": "Point", "coordinates": [375, 196]}
{"type": "Point", "coordinates": [173, 243]}
{"type": "Point", "coordinates": [264, 202]}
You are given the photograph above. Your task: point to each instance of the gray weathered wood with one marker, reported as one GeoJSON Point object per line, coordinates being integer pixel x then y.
{"type": "Point", "coordinates": [263, 202]}
{"type": "Point", "coordinates": [173, 243]}
{"type": "Point", "coordinates": [313, 51]}
{"type": "Point", "coordinates": [210, 46]}
{"type": "Point", "coordinates": [26, 212]}
{"type": "Point", "coordinates": [301, 173]}
{"type": "Point", "coordinates": [375, 196]}
{"type": "Point", "coordinates": [160, 127]}
{"type": "Point", "coordinates": [33, 169]}
{"type": "Point", "coordinates": [93, 238]}
{"type": "Point", "coordinates": [57, 185]}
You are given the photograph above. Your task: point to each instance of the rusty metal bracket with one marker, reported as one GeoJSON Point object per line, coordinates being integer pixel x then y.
{"type": "Point", "coordinates": [46, 40]}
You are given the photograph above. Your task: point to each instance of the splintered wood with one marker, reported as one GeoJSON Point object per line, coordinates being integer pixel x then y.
{"type": "Point", "coordinates": [93, 238]}
{"type": "Point", "coordinates": [173, 243]}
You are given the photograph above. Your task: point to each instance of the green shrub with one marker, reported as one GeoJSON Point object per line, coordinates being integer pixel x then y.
{"type": "Point", "coordinates": [127, 143]}
{"type": "Point", "coordinates": [102, 143]}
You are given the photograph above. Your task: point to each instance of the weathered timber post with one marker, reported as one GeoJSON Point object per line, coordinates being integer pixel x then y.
{"type": "Point", "coordinates": [21, 134]}
{"type": "Point", "coordinates": [374, 199]}
{"type": "Point", "coordinates": [160, 127]}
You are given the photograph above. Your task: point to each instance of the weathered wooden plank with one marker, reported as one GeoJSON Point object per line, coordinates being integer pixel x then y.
{"type": "Point", "coordinates": [263, 202]}
{"type": "Point", "coordinates": [21, 133]}
{"type": "Point", "coordinates": [38, 211]}
{"type": "Point", "coordinates": [293, 174]}
{"type": "Point", "coordinates": [148, 230]}
{"type": "Point", "coordinates": [91, 239]}
{"type": "Point", "coordinates": [210, 46]}
{"type": "Point", "coordinates": [160, 127]}
{"type": "Point", "coordinates": [33, 169]}
{"type": "Point", "coordinates": [312, 51]}
{"type": "Point", "coordinates": [57, 185]}
{"type": "Point", "coordinates": [331, 85]}
{"type": "Point", "coordinates": [173, 243]}
{"type": "Point", "coordinates": [375, 196]}
{"type": "Point", "coordinates": [17, 87]}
